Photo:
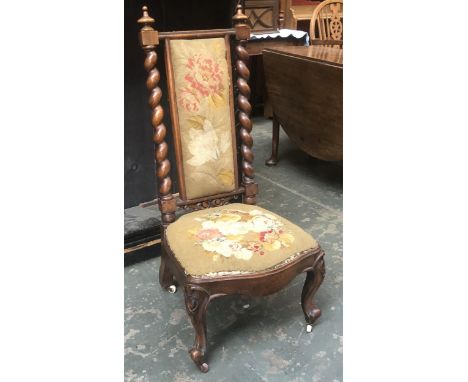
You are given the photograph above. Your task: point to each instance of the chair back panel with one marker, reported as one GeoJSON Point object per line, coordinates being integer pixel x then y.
{"type": "Point", "coordinates": [327, 21]}
{"type": "Point", "coordinates": [202, 112]}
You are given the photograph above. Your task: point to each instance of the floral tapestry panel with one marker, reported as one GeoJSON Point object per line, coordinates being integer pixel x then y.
{"type": "Point", "coordinates": [236, 237]}
{"type": "Point", "coordinates": [202, 87]}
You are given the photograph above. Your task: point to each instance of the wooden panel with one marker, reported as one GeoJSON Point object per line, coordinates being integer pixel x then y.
{"type": "Point", "coordinates": [305, 87]}
{"type": "Point", "coordinates": [262, 14]}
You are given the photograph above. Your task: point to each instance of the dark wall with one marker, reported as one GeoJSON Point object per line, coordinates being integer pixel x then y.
{"type": "Point", "coordinates": [140, 182]}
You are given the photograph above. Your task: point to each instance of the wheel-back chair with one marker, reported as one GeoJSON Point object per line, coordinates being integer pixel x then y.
{"type": "Point", "coordinates": [326, 23]}
{"type": "Point", "coordinates": [220, 248]}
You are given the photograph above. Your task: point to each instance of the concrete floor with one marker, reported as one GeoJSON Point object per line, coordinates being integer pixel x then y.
{"type": "Point", "coordinates": [256, 339]}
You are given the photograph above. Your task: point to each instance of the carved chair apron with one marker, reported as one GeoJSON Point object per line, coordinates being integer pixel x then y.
{"type": "Point", "coordinates": [221, 248]}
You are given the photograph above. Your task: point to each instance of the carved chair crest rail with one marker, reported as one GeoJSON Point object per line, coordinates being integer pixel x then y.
{"type": "Point", "coordinates": [220, 248]}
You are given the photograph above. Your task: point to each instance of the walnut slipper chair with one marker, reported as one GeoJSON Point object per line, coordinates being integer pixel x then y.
{"type": "Point", "coordinates": [220, 248]}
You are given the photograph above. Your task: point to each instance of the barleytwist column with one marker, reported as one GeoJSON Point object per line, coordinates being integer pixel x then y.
{"type": "Point", "coordinates": [243, 114]}
{"type": "Point", "coordinates": [149, 40]}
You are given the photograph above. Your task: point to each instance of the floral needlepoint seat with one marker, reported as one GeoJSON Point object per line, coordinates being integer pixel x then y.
{"type": "Point", "coordinates": [236, 238]}
{"type": "Point", "coordinates": [218, 247]}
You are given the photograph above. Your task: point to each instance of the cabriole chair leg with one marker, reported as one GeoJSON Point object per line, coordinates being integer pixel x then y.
{"type": "Point", "coordinates": [196, 303]}
{"type": "Point", "coordinates": [312, 283]}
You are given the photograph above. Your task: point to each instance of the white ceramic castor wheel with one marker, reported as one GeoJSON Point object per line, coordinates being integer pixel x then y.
{"type": "Point", "coordinates": [309, 328]}
{"type": "Point", "coordinates": [172, 289]}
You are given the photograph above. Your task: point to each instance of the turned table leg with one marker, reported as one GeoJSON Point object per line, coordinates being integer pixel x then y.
{"type": "Point", "coordinates": [274, 143]}
{"type": "Point", "coordinates": [312, 283]}
{"type": "Point", "coordinates": [196, 303]}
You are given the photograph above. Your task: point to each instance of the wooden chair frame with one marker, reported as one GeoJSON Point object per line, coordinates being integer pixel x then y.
{"type": "Point", "coordinates": [324, 26]}
{"type": "Point", "coordinates": [200, 290]}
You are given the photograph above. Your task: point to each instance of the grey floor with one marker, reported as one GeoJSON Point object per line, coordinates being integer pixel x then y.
{"type": "Point", "coordinates": [256, 339]}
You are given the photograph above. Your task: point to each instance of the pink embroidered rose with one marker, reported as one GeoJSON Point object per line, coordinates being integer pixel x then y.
{"type": "Point", "coordinates": [204, 78]}
{"type": "Point", "coordinates": [267, 236]}
{"type": "Point", "coordinates": [209, 233]}
{"type": "Point", "coordinates": [189, 100]}
{"type": "Point", "coordinates": [256, 247]}
{"type": "Point", "coordinates": [204, 75]}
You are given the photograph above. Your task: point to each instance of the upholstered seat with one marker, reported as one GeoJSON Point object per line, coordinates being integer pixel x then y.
{"type": "Point", "coordinates": [235, 238]}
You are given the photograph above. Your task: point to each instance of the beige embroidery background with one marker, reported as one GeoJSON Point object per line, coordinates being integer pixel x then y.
{"type": "Point", "coordinates": [187, 235]}
{"type": "Point", "coordinates": [202, 90]}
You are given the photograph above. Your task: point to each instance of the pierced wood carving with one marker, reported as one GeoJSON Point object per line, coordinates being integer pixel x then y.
{"type": "Point", "coordinates": [336, 26]}
{"type": "Point", "coordinates": [208, 204]}
{"type": "Point", "coordinates": [328, 20]}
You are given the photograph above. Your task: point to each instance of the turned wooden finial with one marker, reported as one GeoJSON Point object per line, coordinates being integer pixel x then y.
{"type": "Point", "coordinates": [148, 36]}
{"type": "Point", "coordinates": [239, 16]}
{"type": "Point", "coordinates": [240, 24]}
{"type": "Point", "coordinates": [146, 19]}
